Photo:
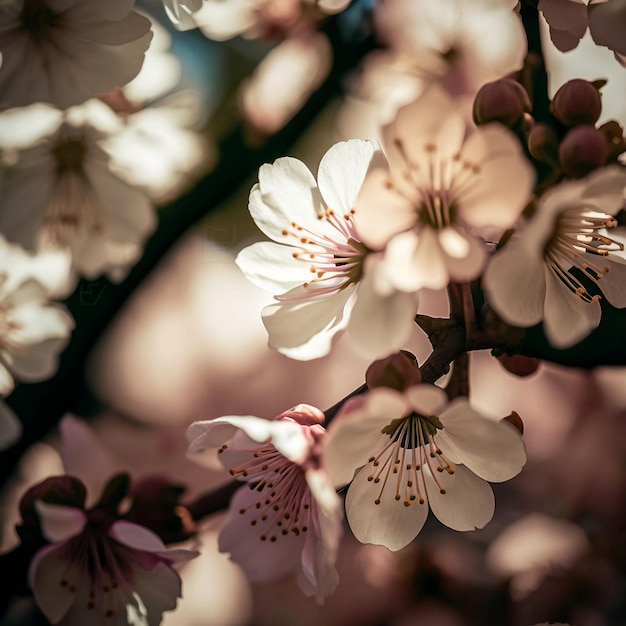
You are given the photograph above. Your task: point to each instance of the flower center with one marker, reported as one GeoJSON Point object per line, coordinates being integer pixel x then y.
{"type": "Point", "coordinates": [283, 504]}
{"type": "Point", "coordinates": [334, 263]}
{"type": "Point", "coordinates": [37, 18]}
{"type": "Point", "coordinates": [409, 449]}
{"type": "Point", "coordinates": [69, 154]}
{"type": "Point", "coordinates": [576, 233]}
{"type": "Point", "coordinates": [434, 186]}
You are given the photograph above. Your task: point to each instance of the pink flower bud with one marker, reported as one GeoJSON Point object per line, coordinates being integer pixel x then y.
{"type": "Point", "coordinates": [503, 101]}
{"type": "Point", "coordinates": [577, 102]}
{"type": "Point", "coordinates": [583, 150]}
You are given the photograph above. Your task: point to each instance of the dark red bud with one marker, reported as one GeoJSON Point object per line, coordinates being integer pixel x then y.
{"type": "Point", "coordinates": [504, 101]}
{"type": "Point", "coordinates": [398, 371]}
{"type": "Point", "coordinates": [518, 364]}
{"type": "Point", "coordinates": [583, 150]}
{"type": "Point", "coordinates": [577, 102]}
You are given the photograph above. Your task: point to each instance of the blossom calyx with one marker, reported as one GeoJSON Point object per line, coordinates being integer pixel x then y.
{"type": "Point", "coordinates": [398, 371]}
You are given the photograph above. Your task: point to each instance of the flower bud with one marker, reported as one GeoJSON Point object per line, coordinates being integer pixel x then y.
{"type": "Point", "coordinates": [577, 102]}
{"type": "Point", "coordinates": [543, 144]}
{"type": "Point", "coordinates": [583, 150]}
{"type": "Point", "coordinates": [398, 371]}
{"type": "Point", "coordinates": [503, 101]}
{"type": "Point", "coordinates": [614, 135]}
{"type": "Point", "coordinates": [518, 364]}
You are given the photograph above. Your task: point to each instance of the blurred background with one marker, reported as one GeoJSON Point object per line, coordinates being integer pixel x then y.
{"type": "Point", "coordinates": [181, 339]}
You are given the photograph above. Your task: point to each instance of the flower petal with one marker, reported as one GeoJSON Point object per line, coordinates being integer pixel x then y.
{"type": "Point", "coordinates": [10, 426]}
{"type": "Point", "coordinates": [492, 450]}
{"type": "Point", "coordinates": [427, 399]}
{"type": "Point", "coordinates": [135, 536]}
{"type": "Point", "coordinates": [389, 523]}
{"type": "Point", "coordinates": [468, 502]}
{"type": "Point", "coordinates": [568, 318]}
{"type": "Point", "coordinates": [59, 523]}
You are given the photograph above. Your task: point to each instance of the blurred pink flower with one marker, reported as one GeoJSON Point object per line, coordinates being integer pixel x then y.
{"type": "Point", "coordinates": [78, 204]}
{"type": "Point", "coordinates": [288, 517]}
{"type": "Point", "coordinates": [181, 12]}
{"type": "Point", "coordinates": [33, 331]}
{"type": "Point", "coordinates": [72, 50]}
{"type": "Point", "coordinates": [530, 280]}
{"type": "Point", "coordinates": [415, 448]}
{"type": "Point", "coordinates": [10, 426]}
{"type": "Point", "coordinates": [447, 188]}
{"type": "Point", "coordinates": [325, 277]}
{"type": "Point", "coordinates": [102, 570]}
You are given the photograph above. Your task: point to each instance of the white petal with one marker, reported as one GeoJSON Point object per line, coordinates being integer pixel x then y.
{"type": "Point", "coordinates": [604, 189]}
{"type": "Point", "coordinates": [10, 426]}
{"type": "Point", "coordinates": [389, 523]}
{"type": "Point", "coordinates": [427, 399]}
{"type": "Point", "coordinates": [492, 450]}
{"type": "Point", "coordinates": [342, 171]}
{"type": "Point", "coordinates": [468, 502]}
{"type": "Point", "coordinates": [159, 589]}
{"type": "Point", "coordinates": [213, 433]}
{"type": "Point", "coordinates": [59, 523]}
{"type": "Point", "coordinates": [380, 325]}
{"type": "Point", "coordinates": [465, 255]}
{"type": "Point", "coordinates": [135, 536]}
{"type": "Point", "coordinates": [568, 318]}
{"type": "Point", "coordinates": [39, 362]}
{"type": "Point", "coordinates": [613, 284]}
{"type": "Point", "coordinates": [36, 323]}
{"type": "Point", "coordinates": [272, 267]}
{"type": "Point", "coordinates": [293, 323]}
{"type": "Point", "coordinates": [47, 569]}
{"type": "Point", "coordinates": [355, 433]}
{"type": "Point", "coordinates": [514, 283]}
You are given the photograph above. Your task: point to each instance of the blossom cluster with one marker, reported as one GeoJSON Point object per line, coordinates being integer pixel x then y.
{"type": "Point", "coordinates": [449, 175]}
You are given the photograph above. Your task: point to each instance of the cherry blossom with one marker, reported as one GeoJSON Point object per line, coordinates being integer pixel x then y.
{"type": "Point", "coordinates": [73, 50]}
{"type": "Point", "coordinates": [102, 570]}
{"type": "Point", "coordinates": [447, 190]}
{"type": "Point", "coordinates": [531, 278]}
{"type": "Point", "coordinates": [288, 517]}
{"type": "Point", "coordinates": [78, 204]}
{"type": "Point", "coordinates": [414, 449]}
{"type": "Point", "coordinates": [324, 277]}
{"type": "Point", "coordinates": [33, 331]}
{"type": "Point", "coordinates": [181, 12]}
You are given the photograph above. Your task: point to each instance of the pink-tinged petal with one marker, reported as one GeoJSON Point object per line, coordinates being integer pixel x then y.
{"type": "Point", "coordinates": [294, 322]}
{"type": "Point", "coordinates": [492, 450]}
{"type": "Point", "coordinates": [59, 523]}
{"type": "Point", "coordinates": [213, 433]}
{"type": "Point", "coordinates": [7, 384]}
{"type": "Point", "coordinates": [468, 502]}
{"type": "Point", "coordinates": [389, 523]}
{"type": "Point", "coordinates": [356, 432]}
{"type": "Point", "coordinates": [83, 455]}
{"type": "Point", "coordinates": [381, 212]}
{"type": "Point", "coordinates": [515, 284]}
{"type": "Point", "coordinates": [342, 171]}
{"type": "Point", "coordinates": [46, 571]}
{"type": "Point", "coordinates": [431, 127]}
{"type": "Point", "coordinates": [135, 536]}
{"type": "Point", "coordinates": [381, 324]}
{"type": "Point", "coordinates": [159, 589]}
{"type": "Point", "coordinates": [417, 261]}
{"type": "Point", "coordinates": [613, 283]}
{"type": "Point", "coordinates": [289, 189]}
{"type": "Point", "coordinates": [604, 189]}
{"type": "Point", "coordinates": [10, 426]}
{"type": "Point", "coordinates": [273, 267]}
{"type": "Point", "coordinates": [262, 561]}
{"type": "Point", "coordinates": [568, 318]}
{"type": "Point", "coordinates": [503, 182]}
{"type": "Point", "coordinates": [465, 255]}
{"type": "Point", "coordinates": [427, 399]}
